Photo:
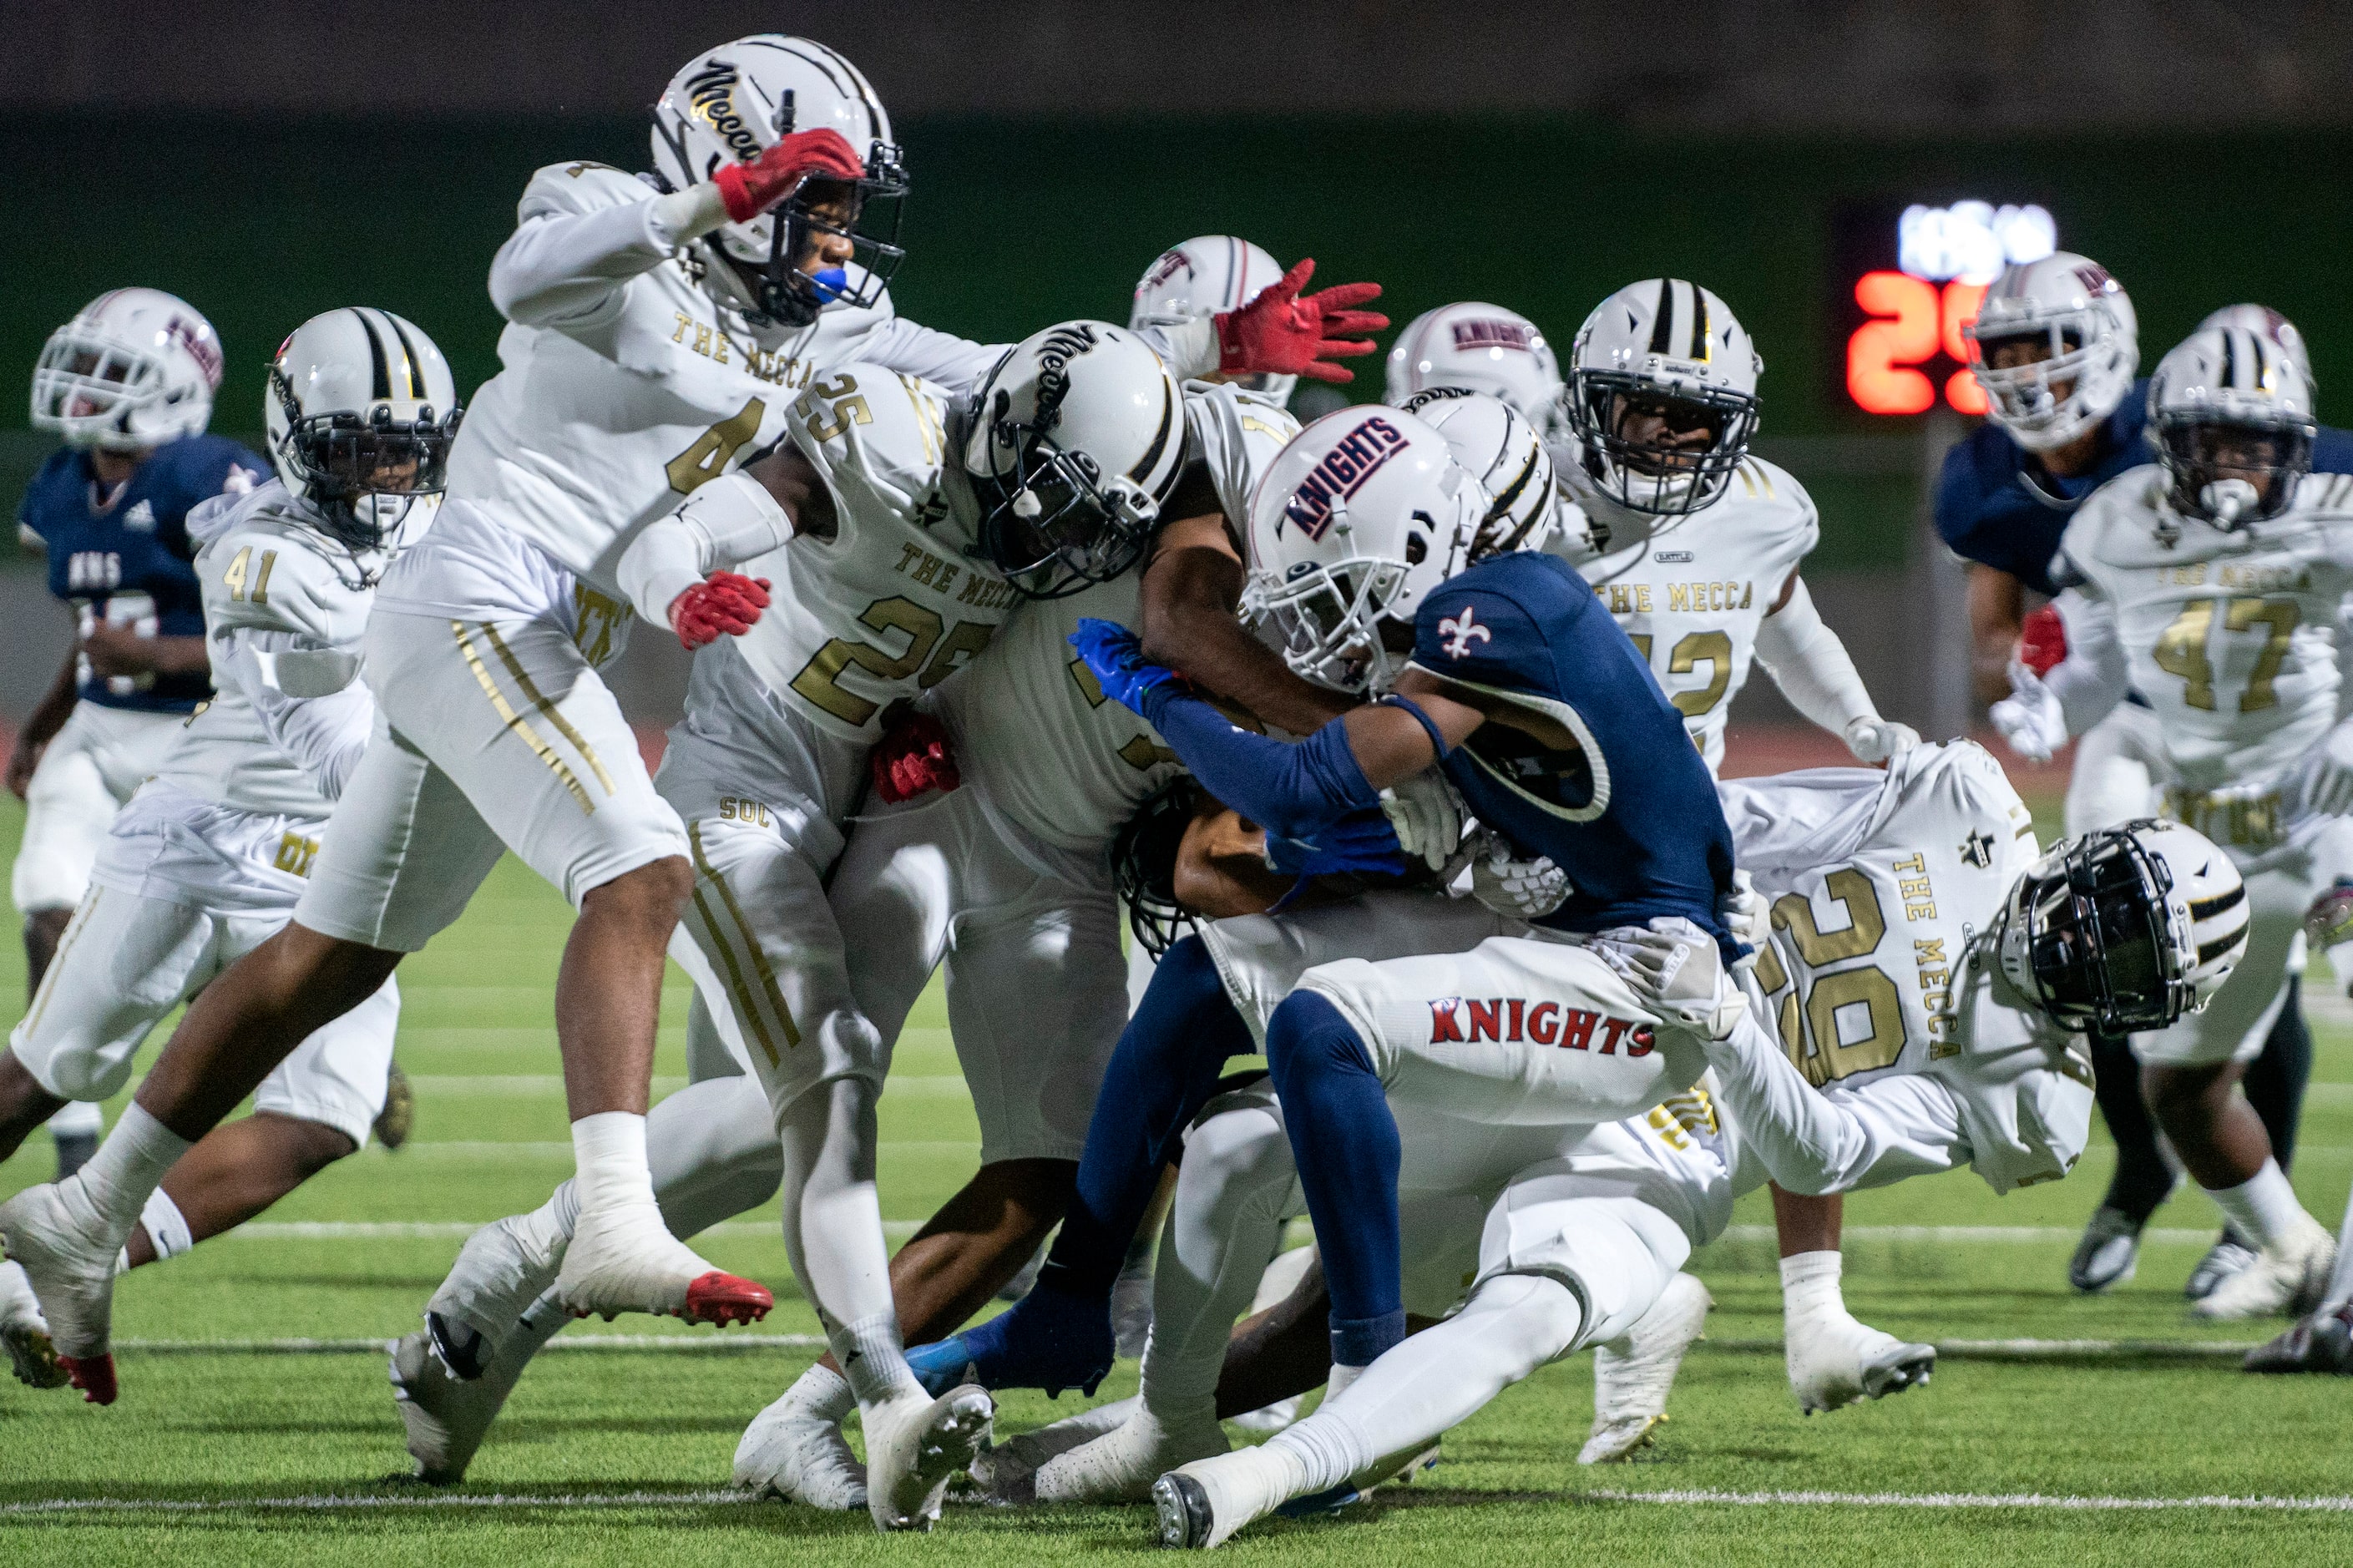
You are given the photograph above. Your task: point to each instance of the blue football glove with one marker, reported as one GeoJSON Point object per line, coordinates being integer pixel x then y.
{"type": "Point", "coordinates": [1116, 658]}
{"type": "Point", "coordinates": [1360, 843]}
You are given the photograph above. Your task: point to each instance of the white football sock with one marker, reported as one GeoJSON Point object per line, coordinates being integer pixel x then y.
{"type": "Point", "coordinates": [2264, 1206]}
{"type": "Point", "coordinates": [129, 1168]}
{"type": "Point", "coordinates": [1514, 1324]}
{"type": "Point", "coordinates": [608, 1154]}
{"type": "Point", "coordinates": [1809, 1283]}
{"type": "Point", "coordinates": [2340, 1283]}
{"type": "Point", "coordinates": [823, 1393]}
{"type": "Point", "coordinates": [1224, 1224]}
{"type": "Point", "coordinates": [713, 1150]}
{"type": "Point", "coordinates": [833, 1231]}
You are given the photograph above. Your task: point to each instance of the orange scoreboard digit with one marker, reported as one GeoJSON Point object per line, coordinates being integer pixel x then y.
{"type": "Point", "coordinates": [1908, 282]}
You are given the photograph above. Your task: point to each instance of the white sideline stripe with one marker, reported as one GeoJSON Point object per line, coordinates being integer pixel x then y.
{"type": "Point", "coordinates": [397, 1230]}
{"type": "Point", "coordinates": [1974, 1499]}
{"type": "Point", "coordinates": [329, 1502]}
{"type": "Point", "coordinates": [2047, 1350]}
{"type": "Point", "coordinates": [504, 1085]}
{"type": "Point", "coordinates": [499, 1149]}
{"type": "Point", "coordinates": [2034, 1233]}
{"type": "Point", "coordinates": [682, 1343]}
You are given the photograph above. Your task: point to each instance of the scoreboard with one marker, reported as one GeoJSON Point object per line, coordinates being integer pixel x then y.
{"type": "Point", "coordinates": [1908, 280]}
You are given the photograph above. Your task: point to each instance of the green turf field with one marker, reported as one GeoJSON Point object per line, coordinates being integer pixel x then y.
{"type": "Point", "coordinates": [234, 1456]}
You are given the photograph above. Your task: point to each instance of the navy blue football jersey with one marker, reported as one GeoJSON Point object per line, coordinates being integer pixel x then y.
{"type": "Point", "coordinates": [127, 563]}
{"type": "Point", "coordinates": [1582, 759]}
{"type": "Point", "coordinates": [1998, 506]}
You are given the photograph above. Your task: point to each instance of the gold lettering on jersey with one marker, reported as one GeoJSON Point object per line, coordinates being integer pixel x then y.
{"type": "Point", "coordinates": [2261, 579]}
{"type": "Point", "coordinates": [2191, 576]}
{"type": "Point", "coordinates": [731, 809]}
{"type": "Point", "coordinates": [1936, 996]}
{"type": "Point", "coordinates": [1695, 598]}
{"type": "Point", "coordinates": [713, 345]}
{"type": "Point", "coordinates": [595, 618]}
{"type": "Point", "coordinates": [986, 592]}
{"type": "Point", "coordinates": [1680, 1115]}
{"type": "Point", "coordinates": [1629, 598]}
{"type": "Point", "coordinates": [295, 854]}
{"type": "Point", "coordinates": [1911, 886]}
{"type": "Point", "coordinates": [2244, 823]}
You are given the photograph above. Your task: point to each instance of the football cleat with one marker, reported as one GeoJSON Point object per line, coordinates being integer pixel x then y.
{"type": "Point", "coordinates": [24, 1333]}
{"type": "Point", "coordinates": [2289, 1275]}
{"type": "Point", "coordinates": [398, 1119]}
{"type": "Point", "coordinates": [1350, 1492]}
{"type": "Point", "coordinates": [499, 1272]}
{"type": "Point", "coordinates": [1121, 1464]}
{"type": "Point", "coordinates": [446, 1416]}
{"type": "Point", "coordinates": [57, 1234]}
{"type": "Point", "coordinates": [794, 1450]}
{"type": "Point", "coordinates": [2225, 1257]}
{"type": "Point", "coordinates": [2109, 1253]}
{"type": "Point", "coordinates": [1008, 1471]}
{"type": "Point", "coordinates": [1051, 1340]}
{"type": "Point", "coordinates": [914, 1446]}
{"type": "Point", "coordinates": [623, 1260]}
{"type": "Point", "coordinates": [1202, 1504]}
{"type": "Point", "coordinates": [1834, 1361]}
{"type": "Point", "coordinates": [2320, 1342]}
{"type": "Point", "coordinates": [1632, 1376]}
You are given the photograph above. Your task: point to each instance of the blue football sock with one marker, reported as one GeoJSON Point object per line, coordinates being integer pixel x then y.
{"type": "Point", "coordinates": [1047, 1339]}
{"type": "Point", "coordinates": [1164, 1071]}
{"type": "Point", "coordinates": [1345, 1142]}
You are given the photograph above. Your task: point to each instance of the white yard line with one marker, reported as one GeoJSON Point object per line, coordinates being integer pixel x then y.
{"type": "Point", "coordinates": [1976, 1499]}
{"type": "Point", "coordinates": [458, 1229]}
{"type": "Point", "coordinates": [504, 1085]}
{"type": "Point", "coordinates": [680, 1344]}
{"type": "Point", "coordinates": [1975, 1234]}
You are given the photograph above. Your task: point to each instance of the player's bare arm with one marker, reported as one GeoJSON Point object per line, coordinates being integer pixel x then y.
{"type": "Point", "coordinates": [1996, 612]}
{"type": "Point", "coordinates": [48, 716]}
{"type": "Point", "coordinates": [1191, 588]}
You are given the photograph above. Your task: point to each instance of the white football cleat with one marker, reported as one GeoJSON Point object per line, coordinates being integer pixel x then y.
{"type": "Point", "coordinates": [914, 1444]}
{"type": "Point", "coordinates": [1834, 1361]}
{"type": "Point", "coordinates": [447, 1417]}
{"type": "Point", "coordinates": [2226, 1257]}
{"type": "Point", "coordinates": [1121, 1464]}
{"type": "Point", "coordinates": [623, 1259]}
{"type": "Point", "coordinates": [2289, 1275]}
{"type": "Point", "coordinates": [1007, 1472]}
{"type": "Point", "coordinates": [59, 1237]}
{"type": "Point", "coordinates": [24, 1333]}
{"type": "Point", "coordinates": [795, 1450]}
{"type": "Point", "coordinates": [1202, 1504]}
{"type": "Point", "coordinates": [499, 1272]}
{"type": "Point", "coordinates": [1632, 1376]}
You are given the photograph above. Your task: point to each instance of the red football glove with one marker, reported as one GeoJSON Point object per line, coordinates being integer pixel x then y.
{"type": "Point", "coordinates": [1280, 333]}
{"type": "Point", "coordinates": [750, 189]}
{"type": "Point", "coordinates": [911, 757]}
{"type": "Point", "coordinates": [722, 604]}
{"type": "Point", "coordinates": [2043, 640]}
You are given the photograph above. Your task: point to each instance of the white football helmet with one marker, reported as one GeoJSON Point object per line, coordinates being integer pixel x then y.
{"type": "Point", "coordinates": [1480, 348]}
{"type": "Point", "coordinates": [1671, 356]}
{"type": "Point", "coordinates": [2079, 322]}
{"type": "Point", "coordinates": [2124, 928]}
{"type": "Point", "coordinates": [1073, 441]}
{"type": "Point", "coordinates": [1364, 511]}
{"type": "Point", "coordinates": [1204, 278]}
{"type": "Point", "coordinates": [2227, 409]}
{"type": "Point", "coordinates": [133, 369]}
{"type": "Point", "coordinates": [2267, 322]}
{"type": "Point", "coordinates": [1503, 451]}
{"type": "Point", "coordinates": [730, 104]}
{"type": "Point", "coordinates": [361, 411]}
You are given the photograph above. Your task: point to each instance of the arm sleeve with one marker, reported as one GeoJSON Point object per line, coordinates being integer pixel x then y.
{"type": "Point", "coordinates": [959, 364]}
{"type": "Point", "coordinates": [2094, 677]}
{"type": "Point", "coordinates": [1292, 791]}
{"type": "Point", "coordinates": [1811, 666]}
{"type": "Point", "coordinates": [1834, 1141]}
{"type": "Point", "coordinates": [723, 523]}
{"type": "Point", "coordinates": [310, 698]}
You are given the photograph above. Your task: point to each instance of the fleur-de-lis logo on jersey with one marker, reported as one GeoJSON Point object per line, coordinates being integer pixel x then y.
{"type": "Point", "coordinates": [1457, 635]}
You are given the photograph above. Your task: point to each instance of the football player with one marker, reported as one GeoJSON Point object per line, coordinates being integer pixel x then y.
{"type": "Point", "coordinates": [2055, 346]}
{"type": "Point", "coordinates": [1479, 347]}
{"type": "Point", "coordinates": [2209, 584]}
{"type": "Point", "coordinates": [1342, 600]}
{"type": "Point", "coordinates": [129, 383]}
{"type": "Point", "coordinates": [210, 856]}
{"type": "Point", "coordinates": [655, 337]}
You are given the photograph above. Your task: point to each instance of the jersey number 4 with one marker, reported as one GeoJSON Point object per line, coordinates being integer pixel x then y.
{"type": "Point", "coordinates": [2181, 647]}
{"type": "Point", "coordinates": [1852, 1019]}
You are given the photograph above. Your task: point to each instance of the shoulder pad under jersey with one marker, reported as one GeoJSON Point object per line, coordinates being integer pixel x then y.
{"type": "Point", "coordinates": [580, 186]}
{"type": "Point", "coordinates": [268, 572]}
{"type": "Point", "coordinates": [878, 436]}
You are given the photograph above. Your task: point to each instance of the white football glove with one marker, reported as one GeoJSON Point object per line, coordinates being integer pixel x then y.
{"type": "Point", "coordinates": [2030, 719]}
{"type": "Point", "coordinates": [1427, 815]}
{"type": "Point", "coordinates": [1875, 739]}
{"type": "Point", "coordinates": [2326, 783]}
{"type": "Point", "coordinates": [1524, 889]}
{"type": "Point", "coordinates": [1675, 969]}
{"type": "Point", "coordinates": [1747, 915]}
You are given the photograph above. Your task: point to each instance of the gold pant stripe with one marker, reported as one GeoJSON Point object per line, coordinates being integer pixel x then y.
{"type": "Point", "coordinates": [744, 1005]}
{"type": "Point", "coordinates": [540, 704]}
{"type": "Point", "coordinates": [760, 964]}
{"type": "Point", "coordinates": [57, 959]}
{"type": "Point", "coordinates": [514, 720]}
